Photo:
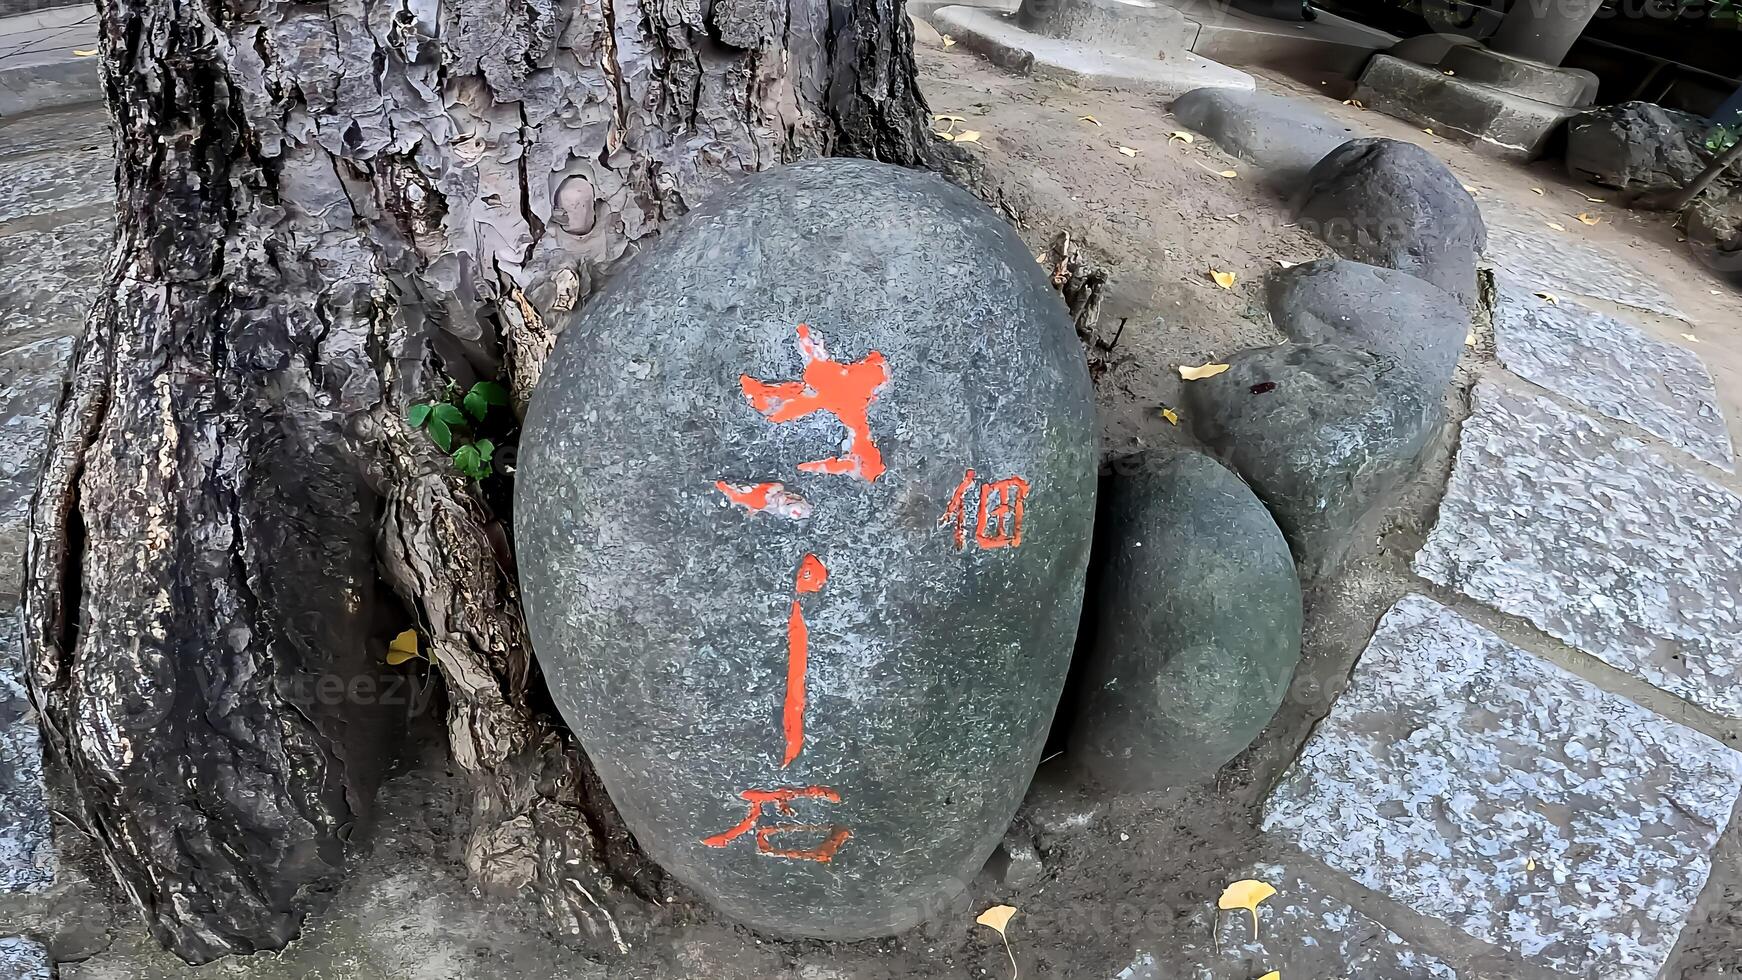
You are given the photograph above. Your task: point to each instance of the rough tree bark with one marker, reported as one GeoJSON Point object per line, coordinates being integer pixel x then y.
{"type": "Point", "coordinates": [326, 212]}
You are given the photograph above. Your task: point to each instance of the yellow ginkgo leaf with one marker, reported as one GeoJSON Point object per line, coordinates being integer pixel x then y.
{"type": "Point", "coordinates": [1596, 200]}
{"type": "Point", "coordinates": [1245, 894]}
{"type": "Point", "coordinates": [1201, 372]}
{"type": "Point", "coordinates": [1171, 416]}
{"type": "Point", "coordinates": [1090, 119]}
{"type": "Point", "coordinates": [1128, 151]}
{"type": "Point", "coordinates": [950, 118]}
{"type": "Point", "coordinates": [1470, 339]}
{"type": "Point", "coordinates": [946, 136]}
{"type": "Point", "coordinates": [968, 136]}
{"type": "Point", "coordinates": [1690, 338]}
{"type": "Point", "coordinates": [948, 40]}
{"type": "Point", "coordinates": [1557, 226]}
{"type": "Point", "coordinates": [1537, 191]}
{"type": "Point", "coordinates": [997, 918]}
{"type": "Point", "coordinates": [1587, 219]}
{"type": "Point", "coordinates": [1429, 131]}
{"type": "Point", "coordinates": [403, 648]}
{"type": "Point", "coordinates": [1286, 264]}
{"type": "Point", "coordinates": [1277, 974]}
{"type": "Point", "coordinates": [1230, 174]}
{"type": "Point", "coordinates": [1549, 298]}
{"type": "Point", "coordinates": [1354, 102]}
{"type": "Point", "coordinates": [1223, 279]}
{"type": "Point", "coordinates": [84, 52]}
{"type": "Point", "coordinates": [1182, 137]}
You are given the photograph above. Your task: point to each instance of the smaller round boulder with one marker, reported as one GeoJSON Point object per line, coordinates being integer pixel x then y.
{"type": "Point", "coordinates": [1365, 307]}
{"type": "Point", "coordinates": [1394, 204]}
{"type": "Point", "coordinates": [1199, 626]}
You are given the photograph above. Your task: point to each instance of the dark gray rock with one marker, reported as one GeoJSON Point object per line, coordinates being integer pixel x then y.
{"type": "Point", "coordinates": [1016, 863]}
{"type": "Point", "coordinates": [1322, 435]}
{"type": "Point", "coordinates": [1394, 204]}
{"type": "Point", "coordinates": [1637, 147]}
{"type": "Point", "coordinates": [1199, 625]}
{"type": "Point", "coordinates": [934, 451]}
{"type": "Point", "coordinates": [1284, 136]}
{"type": "Point", "coordinates": [1365, 307]}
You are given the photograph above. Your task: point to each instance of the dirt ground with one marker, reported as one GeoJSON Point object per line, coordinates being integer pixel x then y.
{"type": "Point", "coordinates": [1146, 875]}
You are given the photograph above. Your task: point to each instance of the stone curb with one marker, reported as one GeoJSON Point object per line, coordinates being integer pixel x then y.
{"type": "Point", "coordinates": [1005, 44]}
{"type": "Point", "coordinates": [54, 85]}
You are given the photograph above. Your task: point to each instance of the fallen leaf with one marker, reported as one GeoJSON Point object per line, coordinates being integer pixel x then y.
{"type": "Point", "coordinates": [1473, 192]}
{"type": "Point", "coordinates": [1182, 137]}
{"type": "Point", "coordinates": [1549, 298]}
{"type": "Point", "coordinates": [1428, 131]}
{"type": "Point", "coordinates": [1090, 119]}
{"type": "Point", "coordinates": [1128, 151]}
{"type": "Point", "coordinates": [1245, 894]}
{"type": "Point", "coordinates": [1530, 864]}
{"type": "Point", "coordinates": [1690, 338]}
{"type": "Point", "coordinates": [1537, 191]}
{"type": "Point", "coordinates": [84, 53]}
{"type": "Point", "coordinates": [1354, 102]}
{"type": "Point", "coordinates": [1557, 226]}
{"type": "Point", "coordinates": [997, 918]}
{"type": "Point", "coordinates": [403, 648]}
{"type": "Point", "coordinates": [1587, 219]}
{"type": "Point", "coordinates": [946, 135]}
{"type": "Point", "coordinates": [948, 40]}
{"type": "Point", "coordinates": [1470, 339]}
{"type": "Point", "coordinates": [1286, 264]}
{"type": "Point", "coordinates": [1596, 200]}
{"type": "Point", "coordinates": [1230, 174]}
{"type": "Point", "coordinates": [1171, 416]}
{"type": "Point", "coordinates": [1223, 279]}
{"type": "Point", "coordinates": [950, 118]}
{"type": "Point", "coordinates": [1201, 372]}
{"type": "Point", "coordinates": [968, 136]}
{"type": "Point", "coordinates": [1277, 974]}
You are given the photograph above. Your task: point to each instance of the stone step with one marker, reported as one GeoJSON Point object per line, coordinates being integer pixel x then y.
{"type": "Point", "coordinates": [1005, 43]}
{"type": "Point", "coordinates": [1507, 126]}
{"type": "Point", "coordinates": [1545, 83]}
{"type": "Point", "coordinates": [38, 66]}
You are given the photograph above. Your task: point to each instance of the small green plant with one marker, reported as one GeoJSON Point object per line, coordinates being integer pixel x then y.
{"type": "Point", "coordinates": [447, 425]}
{"type": "Point", "coordinates": [1723, 136]}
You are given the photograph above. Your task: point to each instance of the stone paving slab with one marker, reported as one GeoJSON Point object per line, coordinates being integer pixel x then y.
{"type": "Point", "coordinates": [1611, 367]}
{"type": "Point", "coordinates": [31, 380]}
{"type": "Point", "coordinates": [24, 959]}
{"type": "Point", "coordinates": [1553, 261]}
{"type": "Point", "coordinates": [1482, 786]}
{"type": "Point", "coordinates": [27, 857]}
{"type": "Point", "coordinates": [48, 182]}
{"type": "Point", "coordinates": [51, 278]}
{"type": "Point", "coordinates": [70, 129]}
{"type": "Point", "coordinates": [1602, 542]}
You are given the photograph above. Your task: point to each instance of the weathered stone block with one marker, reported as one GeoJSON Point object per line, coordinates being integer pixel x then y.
{"type": "Point", "coordinates": [1199, 625]}
{"type": "Point", "coordinates": [1561, 519]}
{"type": "Point", "coordinates": [1481, 786]}
{"type": "Point", "coordinates": [1284, 136]}
{"type": "Point", "coordinates": [803, 535]}
{"type": "Point", "coordinates": [1369, 308]}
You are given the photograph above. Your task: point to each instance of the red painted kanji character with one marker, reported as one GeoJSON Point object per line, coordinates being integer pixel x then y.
{"type": "Point", "coordinates": [845, 391]}
{"type": "Point", "coordinates": [999, 521]}
{"type": "Point", "coordinates": [782, 799]}
{"type": "Point", "coordinates": [811, 577]}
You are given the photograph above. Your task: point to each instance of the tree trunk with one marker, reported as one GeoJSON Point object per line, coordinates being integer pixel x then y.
{"type": "Point", "coordinates": [326, 213]}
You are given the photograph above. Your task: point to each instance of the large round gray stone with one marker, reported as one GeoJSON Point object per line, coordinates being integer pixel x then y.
{"type": "Point", "coordinates": [1198, 625]}
{"type": "Point", "coordinates": [1284, 136]}
{"type": "Point", "coordinates": [1322, 434]}
{"type": "Point", "coordinates": [1394, 204]}
{"type": "Point", "coordinates": [1350, 304]}
{"type": "Point", "coordinates": [803, 511]}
